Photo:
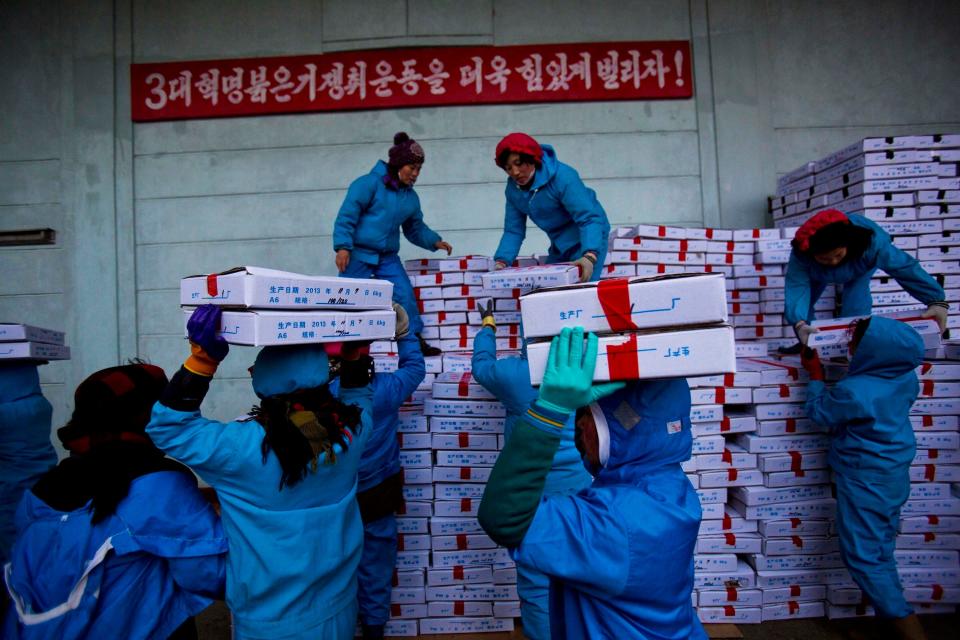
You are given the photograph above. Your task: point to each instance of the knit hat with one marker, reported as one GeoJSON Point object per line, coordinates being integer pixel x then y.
{"type": "Point", "coordinates": [801, 241]}
{"type": "Point", "coordinates": [518, 143]}
{"type": "Point", "coordinates": [113, 404]}
{"type": "Point", "coordinates": [405, 151]}
{"type": "Point", "coordinates": [282, 370]}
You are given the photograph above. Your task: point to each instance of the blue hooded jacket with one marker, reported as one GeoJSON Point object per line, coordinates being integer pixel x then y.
{"type": "Point", "coordinates": [508, 379]}
{"type": "Point", "coordinates": [804, 274]}
{"type": "Point", "coordinates": [619, 553]}
{"type": "Point", "coordinates": [868, 410]}
{"type": "Point", "coordinates": [294, 553]}
{"type": "Point", "coordinates": [381, 456]}
{"type": "Point", "coordinates": [140, 573]}
{"type": "Point", "coordinates": [559, 203]}
{"type": "Point", "coordinates": [371, 215]}
{"type": "Point", "coordinates": [25, 449]}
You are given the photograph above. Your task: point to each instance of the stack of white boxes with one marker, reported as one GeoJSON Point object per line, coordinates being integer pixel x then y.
{"type": "Point", "coordinates": [26, 343]}
{"type": "Point", "coordinates": [451, 578]}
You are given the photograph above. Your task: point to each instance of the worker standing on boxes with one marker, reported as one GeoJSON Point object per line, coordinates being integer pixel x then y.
{"type": "Point", "coordinates": [116, 541]}
{"type": "Point", "coordinates": [380, 482]}
{"type": "Point", "coordinates": [619, 553]}
{"type": "Point", "coordinates": [833, 247]}
{"type": "Point", "coordinates": [871, 449]}
{"type": "Point", "coordinates": [366, 236]}
{"type": "Point", "coordinates": [550, 193]}
{"type": "Point", "coordinates": [286, 478]}
{"type": "Point", "coordinates": [508, 379]}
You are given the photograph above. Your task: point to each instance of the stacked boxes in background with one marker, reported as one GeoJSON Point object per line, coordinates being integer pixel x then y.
{"type": "Point", "coordinates": [909, 185]}
{"type": "Point", "coordinates": [26, 343]}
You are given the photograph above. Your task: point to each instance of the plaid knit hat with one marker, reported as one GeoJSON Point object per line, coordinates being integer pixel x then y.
{"type": "Point", "coordinates": [405, 151]}
{"type": "Point", "coordinates": [113, 404]}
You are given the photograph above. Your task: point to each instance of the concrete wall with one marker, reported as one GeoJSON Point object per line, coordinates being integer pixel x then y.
{"type": "Point", "coordinates": [138, 206]}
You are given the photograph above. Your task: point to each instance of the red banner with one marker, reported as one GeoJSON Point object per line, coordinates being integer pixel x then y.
{"type": "Point", "coordinates": [413, 77]}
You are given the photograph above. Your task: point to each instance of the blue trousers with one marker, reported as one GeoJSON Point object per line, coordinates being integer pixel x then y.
{"type": "Point", "coordinates": [390, 268]}
{"type": "Point", "coordinates": [533, 586]}
{"type": "Point", "coordinates": [375, 574]}
{"type": "Point", "coordinates": [574, 254]}
{"type": "Point", "coordinates": [856, 297]}
{"type": "Point", "coordinates": [868, 514]}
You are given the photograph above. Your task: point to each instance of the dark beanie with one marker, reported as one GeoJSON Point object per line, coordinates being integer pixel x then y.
{"type": "Point", "coordinates": [113, 401]}
{"type": "Point", "coordinates": [405, 151]}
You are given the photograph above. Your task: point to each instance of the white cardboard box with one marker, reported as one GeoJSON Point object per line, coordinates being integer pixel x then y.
{"type": "Point", "coordinates": [13, 332]}
{"type": "Point", "coordinates": [33, 351]}
{"type": "Point", "coordinates": [664, 354]}
{"type": "Point", "coordinates": [260, 288]}
{"type": "Point", "coordinates": [838, 331]}
{"type": "Point", "coordinates": [626, 304]}
{"type": "Point", "coordinates": [261, 328]}
{"type": "Point", "coordinates": [535, 277]}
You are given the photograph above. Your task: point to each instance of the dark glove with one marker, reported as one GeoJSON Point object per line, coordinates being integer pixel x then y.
{"type": "Point", "coordinates": [486, 315]}
{"type": "Point", "coordinates": [207, 349]}
{"type": "Point", "coordinates": [355, 374]}
{"type": "Point", "coordinates": [810, 360]}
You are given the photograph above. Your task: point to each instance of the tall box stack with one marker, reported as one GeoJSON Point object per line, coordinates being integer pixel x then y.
{"type": "Point", "coordinates": [450, 577]}
{"type": "Point", "coordinates": [909, 185]}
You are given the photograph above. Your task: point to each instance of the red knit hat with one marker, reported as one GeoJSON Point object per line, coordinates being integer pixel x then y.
{"type": "Point", "coordinates": [518, 143]}
{"type": "Point", "coordinates": [801, 241]}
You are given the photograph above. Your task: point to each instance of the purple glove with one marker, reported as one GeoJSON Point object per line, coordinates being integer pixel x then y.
{"type": "Point", "coordinates": [202, 330]}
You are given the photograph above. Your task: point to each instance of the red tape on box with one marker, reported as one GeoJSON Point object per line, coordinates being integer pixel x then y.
{"type": "Point", "coordinates": [732, 594]}
{"type": "Point", "coordinates": [461, 541]}
{"type": "Point", "coordinates": [458, 572]}
{"type": "Point", "coordinates": [929, 472]}
{"type": "Point", "coordinates": [936, 593]}
{"type": "Point", "coordinates": [622, 362]}
{"type": "Point", "coordinates": [614, 297]}
{"type": "Point", "coordinates": [464, 473]}
{"type": "Point", "coordinates": [795, 590]}
{"type": "Point", "coordinates": [212, 284]}
{"type": "Point", "coordinates": [463, 387]}
{"type": "Point", "coordinates": [458, 608]}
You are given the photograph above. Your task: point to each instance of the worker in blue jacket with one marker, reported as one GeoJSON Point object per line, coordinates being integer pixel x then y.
{"type": "Point", "coordinates": [25, 449]}
{"type": "Point", "coordinates": [286, 478]}
{"type": "Point", "coordinates": [871, 448]}
{"type": "Point", "coordinates": [508, 379]}
{"type": "Point", "coordinates": [550, 193]}
{"type": "Point", "coordinates": [366, 233]}
{"type": "Point", "coordinates": [116, 541]}
{"type": "Point", "coordinates": [835, 248]}
{"type": "Point", "coordinates": [619, 553]}
{"type": "Point", "coordinates": [380, 483]}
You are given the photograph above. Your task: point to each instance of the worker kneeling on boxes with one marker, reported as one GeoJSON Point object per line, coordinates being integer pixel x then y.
{"type": "Point", "coordinates": [619, 553]}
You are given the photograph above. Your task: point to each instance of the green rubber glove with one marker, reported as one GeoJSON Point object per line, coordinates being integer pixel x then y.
{"type": "Point", "coordinates": [568, 380]}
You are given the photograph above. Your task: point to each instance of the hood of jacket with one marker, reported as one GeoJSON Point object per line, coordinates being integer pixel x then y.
{"type": "Point", "coordinates": [888, 349]}
{"type": "Point", "coordinates": [548, 167]}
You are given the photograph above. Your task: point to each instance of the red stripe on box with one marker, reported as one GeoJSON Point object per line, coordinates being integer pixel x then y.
{"type": "Point", "coordinates": [464, 290]}
{"type": "Point", "coordinates": [728, 379]}
{"type": "Point", "coordinates": [726, 456]}
{"type": "Point", "coordinates": [756, 233]}
{"type": "Point", "coordinates": [791, 425]}
{"type": "Point", "coordinates": [724, 424]}
{"type": "Point", "coordinates": [793, 607]}
{"type": "Point", "coordinates": [516, 293]}
{"type": "Point", "coordinates": [464, 473]}
{"type": "Point", "coordinates": [463, 264]}
{"type": "Point", "coordinates": [933, 454]}
{"type": "Point", "coordinates": [442, 317]}
{"type": "Point", "coordinates": [925, 368]}
{"type": "Point", "coordinates": [614, 297]}
{"type": "Point", "coordinates": [458, 572]}
{"type": "Point", "coordinates": [463, 345]}
{"type": "Point", "coordinates": [795, 590]}
{"type": "Point", "coordinates": [461, 541]}
{"type": "Point", "coordinates": [395, 610]}
{"type": "Point", "coordinates": [729, 258]}
{"type": "Point", "coordinates": [638, 240]}
{"type": "Point", "coordinates": [400, 442]}
{"type": "Point", "coordinates": [729, 611]}
{"type": "Point", "coordinates": [719, 395]}
{"type": "Point", "coordinates": [466, 505]}
{"type": "Point", "coordinates": [759, 332]}
{"type": "Point", "coordinates": [795, 523]}
{"type": "Point", "coordinates": [927, 421]}
{"type": "Point", "coordinates": [933, 519]}
{"type": "Point", "coordinates": [929, 536]}
{"type": "Point", "coordinates": [463, 387]}
{"type": "Point", "coordinates": [927, 388]}
{"type": "Point", "coordinates": [212, 284]}
{"type": "Point", "coordinates": [661, 268]}
{"type": "Point", "coordinates": [796, 460]}
{"type": "Point", "coordinates": [731, 475]}
{"type": "Point", "coordinates": [784, 391]}
{"type": "Point", "coordinates": [682, 256]}
{"type": "Point", "coordinates": [471, 304]}
{"type": "Point", "coordinates": [797, 541]}
{"type": "Point", "coordinates": [730, 245]}
{"type": "Point", "coordinates": [758, 318]}
{"type": "Point", "coordinates": [736, 308]}
{"type": "Point", "coordinates": [662, 231]}
{"type": "Point", "coordinates": [458, 608]}
{"type": "Point", "coordinates": [395, 578]}
{"type": "Point", "coordinates": [727, 521]}
{"type": "Point", "coordinates": [513, 342]}
{"type": "Point", "coordinates": [936, 593]}
{"type": "Point", "coordinates": [929, 472]}
{"type": "Point", "coordinates": [735, 294]}
{"type": "Point", "coordinates": [763, 281]}
{"type": "Point", "coordinates": [683, 246]}
{"type": "Point", "coordinates": [622, 362]}
{"type": "Point", "coordinates": [438, 278]}
{"type": "Point", "coordinates": [420, 306]}
{"type": "Point", "coordinates": [732, 594]}
{"type": "Point", "coordinates": [463, 439]}
{"type": "Point", "coordinates": [633, 256]}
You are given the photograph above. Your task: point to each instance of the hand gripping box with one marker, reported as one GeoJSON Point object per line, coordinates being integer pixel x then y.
{"type": "Point", "coordinates": [262, 328]}
{"type": "Point", "coordinates": [838, 331]}
{"type": "Point", "coordinates": [535, 277]}
{"type": "Point", "coordinates": [663, 354]}
{"type": "Point", "coordinates": [626, 304]}
{"type": "Point", "coordinates": [259, 288]}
